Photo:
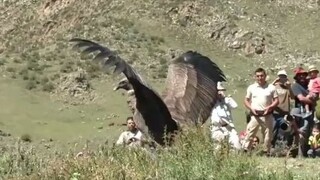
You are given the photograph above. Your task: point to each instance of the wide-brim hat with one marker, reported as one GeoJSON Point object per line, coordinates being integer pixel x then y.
{"type": "Point", "coordinates": [312, 68]}
{"type": "Point", "coordinates": [220, 87]}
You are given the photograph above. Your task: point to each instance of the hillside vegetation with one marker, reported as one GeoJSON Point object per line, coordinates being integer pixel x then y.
{"type": "Point", "coordinates": [52, 98]}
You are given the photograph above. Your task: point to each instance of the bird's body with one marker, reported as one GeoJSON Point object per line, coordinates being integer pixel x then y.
{"type": "Point", "coordinates": [131, 101]}
{"type": "Point", "coordinates": [190, 91]}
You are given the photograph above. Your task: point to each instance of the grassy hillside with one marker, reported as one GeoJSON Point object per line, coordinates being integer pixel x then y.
{"type": "Point", "coordinates": [41, 97]}
{"type": "Point", "coordinates": [239, 36]}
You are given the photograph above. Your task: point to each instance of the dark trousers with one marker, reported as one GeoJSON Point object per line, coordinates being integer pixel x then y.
{"type": "Point", "coordinates": [303, 141]}
{"type": "Point", "coordinates": [314, 153]}
{"type": "Point", "coordinates": [279, 122]}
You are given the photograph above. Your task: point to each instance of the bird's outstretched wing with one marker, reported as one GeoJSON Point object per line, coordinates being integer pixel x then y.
{"type": "Point", "coordinates": [153, 116]}
{"type": "Point", "coordinates": [191, 88]}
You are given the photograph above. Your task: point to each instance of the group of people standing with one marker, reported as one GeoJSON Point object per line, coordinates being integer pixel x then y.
{"type": "Point", "coordinates": [269, 109]}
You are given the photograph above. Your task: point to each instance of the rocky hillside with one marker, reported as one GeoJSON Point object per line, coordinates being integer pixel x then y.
{"type": "Point", "coordinates": [238, 35]}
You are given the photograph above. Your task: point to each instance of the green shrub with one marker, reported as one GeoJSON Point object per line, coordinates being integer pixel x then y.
{"type": "Point", "coordinates": [31, 85]}
{"type": "Point", "coordinates": [66, 67]}
{"type": "Point", "coordinates": [2, 62]}
{"type": "Point", "coordinates": [55, 76]}
{"type": "Point", "coordinates": [33, 66]}
{"type": "Point", "coordinates": [162, 71]}
{"type": "Point", "coordinates": [11, 69]}
{"type": "Point", "coordinates": [26, 138]}
{"type": "Point", "coordinates": [16, 60]}
{"type": "Point", "coordinates": [162, 60]}
{"type": "Point", "coordinates": [24, 73]}
{"type": "Point", "coordinates": [48, 87]}
{"type": "Point", "coordinates": [44, 80]}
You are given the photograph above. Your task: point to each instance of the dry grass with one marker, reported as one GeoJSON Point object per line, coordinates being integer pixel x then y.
{"type": "Point", "coordinates": [192, 157]}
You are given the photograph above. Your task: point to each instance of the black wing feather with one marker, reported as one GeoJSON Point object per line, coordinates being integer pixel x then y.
{"type": "Point", "coordinates": [153, 110]}
{"type": "Point", "coordinates": [203, 64]}
{"type": "Point", "coordinates": [191, 91]}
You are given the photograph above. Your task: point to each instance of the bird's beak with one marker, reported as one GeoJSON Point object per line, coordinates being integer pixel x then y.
{"type": "Point", "coordinates": [116, 88]}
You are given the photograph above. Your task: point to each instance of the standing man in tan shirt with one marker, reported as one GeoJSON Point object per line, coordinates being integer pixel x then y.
{"type": "Point", "coordinates": [261, 99]}
{"type": "Point", "coordinates": [285, 94]}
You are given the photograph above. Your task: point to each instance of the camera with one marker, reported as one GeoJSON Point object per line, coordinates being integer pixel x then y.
{"type": "Point", "coordinates": [285, 125]}
{"type": "Point", "coordinates": [288, 118]}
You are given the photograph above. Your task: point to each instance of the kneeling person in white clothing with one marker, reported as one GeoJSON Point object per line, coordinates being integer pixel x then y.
{"type": "Point", "coordinates": [131, 137]}
{"type": "Point", "coordinates": [221, 119]}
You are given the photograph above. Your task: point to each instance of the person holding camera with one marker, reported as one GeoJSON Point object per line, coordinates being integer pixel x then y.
{"type": "Point", "coordinates": [222, 126]}
{"type": "Point", "coordinates": [132, 136]}
{"type": "Point", "coordinates": [283, 88]}
{"type": "Point", "coordinates": [261, 99]}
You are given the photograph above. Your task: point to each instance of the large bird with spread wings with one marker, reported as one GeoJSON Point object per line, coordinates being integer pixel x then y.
{"type": "Point", "coordinates": [189, 96]}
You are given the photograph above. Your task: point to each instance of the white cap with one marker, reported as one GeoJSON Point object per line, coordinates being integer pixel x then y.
{"type": "Point", "coordinates": [282, 72]}
{"type": "Point", "coordinates": [220, 87]}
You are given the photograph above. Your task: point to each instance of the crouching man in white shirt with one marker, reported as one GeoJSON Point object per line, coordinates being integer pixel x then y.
{"type": "Point", "coordinates": [131, 137]}
{"type": "Point", "coordinates": [222, 126]}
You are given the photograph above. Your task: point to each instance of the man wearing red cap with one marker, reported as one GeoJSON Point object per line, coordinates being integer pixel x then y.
{"type": "Point", "coordinates": [299, 88]}
{"type": "Point", "coordinates": [300, 92]}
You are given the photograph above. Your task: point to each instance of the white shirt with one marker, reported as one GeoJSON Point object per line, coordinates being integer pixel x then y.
{"type": "Point", "coordinates": [222, 110]}
{"type": "Point", "coordinates": [261, 96]}
{"type": "Point", "coordinates": [127, 135]}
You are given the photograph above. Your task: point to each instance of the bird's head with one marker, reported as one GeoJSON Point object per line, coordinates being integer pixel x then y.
{"type": "Point", "coordinates": [123, 84]}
